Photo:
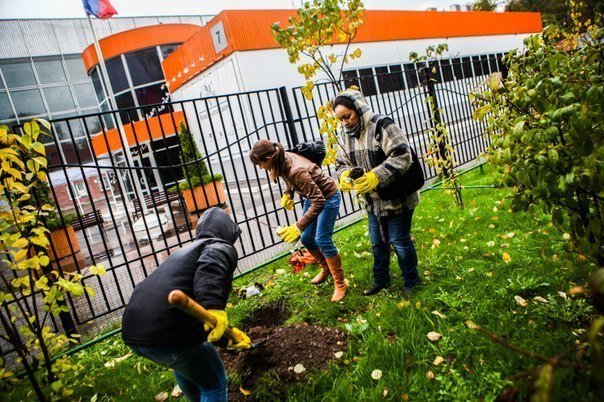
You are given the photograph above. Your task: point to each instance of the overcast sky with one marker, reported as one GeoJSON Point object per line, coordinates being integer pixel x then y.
{"type": "Point", "coordinates": [128, 8]}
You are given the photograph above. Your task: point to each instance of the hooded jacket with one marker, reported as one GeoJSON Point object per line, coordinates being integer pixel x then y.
{"type": "Point", "coordinates": [363, 147]}
{"type": "Point", "coordinates": [203, 270]}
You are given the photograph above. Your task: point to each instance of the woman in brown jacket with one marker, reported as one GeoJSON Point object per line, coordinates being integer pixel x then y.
{"type": "Point", "coordinates": [319, 212]}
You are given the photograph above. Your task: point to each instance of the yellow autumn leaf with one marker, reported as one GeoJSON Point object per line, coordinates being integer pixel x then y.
{"type": "Point", "coordinates": [434, 336]}
{"type": "Point", "coordinates": [438, 361]}
{"type": "Point", "coordinates": [506, 257]}
{"type": "Point", "coordinates": [245, 392]}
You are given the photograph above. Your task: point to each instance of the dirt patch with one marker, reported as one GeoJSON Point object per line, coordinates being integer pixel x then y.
{"type": "Point", "coordinates": [284, 348]}
{"type": "Point", "coordinates": [268, 316]}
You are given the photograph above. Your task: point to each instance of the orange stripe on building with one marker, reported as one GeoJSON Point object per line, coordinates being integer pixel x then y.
{"type": "Point", "coordinates": [250, 30]}
{"type": "Point", "coordinates": [138, 38]}
{"type": "Point", "coordinates": [166, 124]}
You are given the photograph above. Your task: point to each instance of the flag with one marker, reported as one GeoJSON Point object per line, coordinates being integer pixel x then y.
{"type": "Point", "coordinates": [99, 8]}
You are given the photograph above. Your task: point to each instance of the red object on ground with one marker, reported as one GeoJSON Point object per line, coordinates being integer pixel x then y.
{"type": "Point", "coordinates": [299, 259]}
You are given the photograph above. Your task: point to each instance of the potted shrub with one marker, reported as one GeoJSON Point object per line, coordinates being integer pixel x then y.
{"type": "Point", "coordinates": [200, 189]}
{"type": "Point", "coordinates": [61, 236]}
{"type": "Point", "coordinates": [63, 241]}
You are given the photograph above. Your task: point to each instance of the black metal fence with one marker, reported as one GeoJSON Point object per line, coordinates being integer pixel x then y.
{"type": "Point", "coordinates": [123, 174]}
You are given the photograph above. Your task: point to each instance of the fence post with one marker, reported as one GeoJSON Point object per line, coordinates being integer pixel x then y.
{"type": "Point", "coordinates": [434, 109]}
{"type": "Point", "coordinates": [289, 117]}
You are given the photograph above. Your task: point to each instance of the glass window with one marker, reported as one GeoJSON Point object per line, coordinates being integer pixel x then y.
{"type": "Point", "coordinates": [85, 95]}
{"type": "Point", "coordinates": [389, 82]}
{"type": "Point", "coordinates": [477, 66]}
{"type": "Point", "coordinates": [368, 87]}
{"type": "Point", "coordinates": [18, 73]}
{"type": "Point", "coordinates": [72, 151]}
{"type": "Point", "coordinates": [167, 50]}
{"type": "Point", "coordinates": [117, 74]}
{"type": "Point", "coordinates": [503, 68]}
{"type": "Point", "coordinates": [446, 70]}
{"type": "Point", "coordinates": [76, 69]}
{"type": "Point", "coordinates": [124, 101]}
{"type": "Point", "coordinates": [107, 117]}
{"type": "Point", "coordinates": [96, 83]}
{"type": "Point", "coordinates": [28, 102]}
{"type": "Point", "coordinates": [350, 79]}
{"type": "Point", "coordinates": [6, 111]}
{"type": "Point", "coordinates": [396, 77]}
{"type": "Point", "coordinates": [66, 128]}
{"type": "Point", "coordinates": [144, 66]}
{"type": "Point", "coordinates": [457, 70]}
{"type": "Point", "coordinates": [493, 62]}
{"type": "Point", "coordinates": [93, 125]}
{"type": "Point", "coordinates": [50, 71]}
{"type": "Point", "coordinates": [485, 64]}
{"type": "Point", "coordinates": [466, 66]}
{"type": "Point", "coordinates": [59, 99]}
{"type": "Point", "coordinates": [151, 95]}
{"type": "Point", "coordinates": [411, 75]}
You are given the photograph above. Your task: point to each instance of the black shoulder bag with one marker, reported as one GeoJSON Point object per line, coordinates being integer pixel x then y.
{"type": "Point", "coordinates": [407, 183]}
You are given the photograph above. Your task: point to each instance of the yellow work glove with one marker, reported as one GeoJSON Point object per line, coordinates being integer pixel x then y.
{"type": "Point", "coordinates": [290, 233]}
{"type": "Point", "coordinates": [366, 183]}
{"type": "Point", "coordinates": [219, 328]}
{"type": "Point", "coordinates": [287, 202]}
{"type": "Point", "coordinates": [346, 182]}
{"type": "Point", "coordinates": [241, 341]}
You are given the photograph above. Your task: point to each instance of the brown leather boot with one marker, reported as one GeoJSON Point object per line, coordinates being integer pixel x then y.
{"type": "Point", "coordinates": [324, 273]}
{"type": "Point", "coordinates": [335, 267]}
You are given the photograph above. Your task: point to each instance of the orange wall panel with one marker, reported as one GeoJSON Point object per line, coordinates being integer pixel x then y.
{"type": "Point", "coordinates": [250, 30]}
{"type": "Point", "coordinates": [139, 38]}
{"type": "Point", "coordinates": [151, 129]}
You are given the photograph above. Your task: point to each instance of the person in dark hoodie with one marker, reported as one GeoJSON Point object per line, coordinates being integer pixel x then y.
{"type": "Point", "coordinates": [163, 333]}
{"type": "Point", "coordinates": [389, 221]}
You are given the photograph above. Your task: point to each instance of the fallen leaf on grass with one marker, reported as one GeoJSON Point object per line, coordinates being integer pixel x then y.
{"type": "Point", "coordinates": [435, 243]}
{"type": "Point", "coordinates": [506, 257]}
{"type": "Point", "coordinates": [562, 295]}
{"type": "Point", "coordinates": [161, 397]}
{"type": "Point", "coordinates": [430, 375]}
{"type": "Point", "coordinates": [376, 374]}
{"type": "Point", "coordinates": [540, 299]}
{"type": "Point", "coordinates": [434, 336]}
{"type": "Point", "coordinates": [576, 290]}
{"type": "Point", "coordinates": [403, 303]}
{"type": "Point", "coordinates": [385, 392]}
{"type": "Point", "coordinates": [280, 271]}
{"type": "Point", "coordinates": [339, 354]}
{"type": "Point", "coordinates": [245, 392]}
{"type": "Point", "coordinates": [490, 243]}
{"type": "Point", "coordinates": [405, 397]}
{"type": "Point", "coordinates": [439, 314]}
{"type": "Point", "coordinates": [299, 368]}
{"type": "Point", "coordinates": [113, 362]}
{"type": "Point", "coordinates": [176, 391]}
{"type": "Point", "coordinates": [438, 361]}
{"type": "Point", "coordinates": [520, 301]}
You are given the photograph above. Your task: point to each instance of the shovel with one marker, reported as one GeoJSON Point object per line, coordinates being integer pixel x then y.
{"type": "Point", "coordinates": [179, 299]}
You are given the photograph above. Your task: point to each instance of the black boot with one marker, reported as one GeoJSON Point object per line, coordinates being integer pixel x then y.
{"type": "Point", "coordinates": [374, 290]}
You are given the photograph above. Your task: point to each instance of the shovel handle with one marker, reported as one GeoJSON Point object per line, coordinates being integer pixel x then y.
{"type": "Point", "coordinates": [179, 299]}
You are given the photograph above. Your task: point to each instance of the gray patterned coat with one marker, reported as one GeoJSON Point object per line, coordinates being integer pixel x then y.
{"type": "Point", "coordinates": [363, 150]}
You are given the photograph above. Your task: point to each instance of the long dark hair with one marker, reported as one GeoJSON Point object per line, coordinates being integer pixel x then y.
{"type": "Point", "coordinates": [346, 102]}
{"type": "Point", "coordinates": [264, 149]}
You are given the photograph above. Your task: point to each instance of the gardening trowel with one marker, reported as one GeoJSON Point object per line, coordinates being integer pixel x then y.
{"type": "Point", "coordinates": [179, 299]}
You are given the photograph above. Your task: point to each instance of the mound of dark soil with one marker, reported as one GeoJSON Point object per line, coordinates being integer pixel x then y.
{"type": "Point", "coordinates": [283, 348]}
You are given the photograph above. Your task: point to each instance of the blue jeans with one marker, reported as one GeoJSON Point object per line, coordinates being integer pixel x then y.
{"type": "Point", "coordinates": [198, 369]}
{"type": "Point", "coordinates": [318, 235]}
{"type": "Point", "coordinates": [393, 230]}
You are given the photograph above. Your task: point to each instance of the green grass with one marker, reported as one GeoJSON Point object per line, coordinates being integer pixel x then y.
{"type": "Point", "coordinates": [465, 277]}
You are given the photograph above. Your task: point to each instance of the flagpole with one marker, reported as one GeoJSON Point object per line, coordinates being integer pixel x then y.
{"type": "Point", "coordinates": [113, 104]}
